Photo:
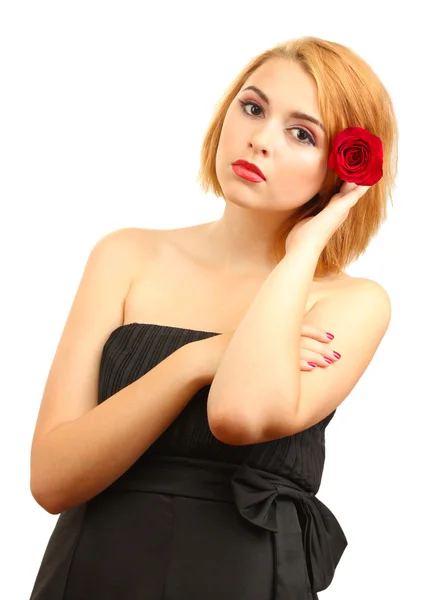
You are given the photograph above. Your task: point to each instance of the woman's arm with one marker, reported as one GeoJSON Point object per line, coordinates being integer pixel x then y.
{"type": "Point", "coordinates": [79, 459]}
{"type": "Point", "coordinates": [264, 350]}
{"type": "Point", "coordinates": [259, 393]}
{"type": "Point", "coordinates": [80, 447]}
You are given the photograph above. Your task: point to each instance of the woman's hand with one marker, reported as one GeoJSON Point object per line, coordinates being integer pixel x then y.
{"type": "Point", "coordinates": [314, 347]}
{"type": "Point", "coordinates": [316, 231]}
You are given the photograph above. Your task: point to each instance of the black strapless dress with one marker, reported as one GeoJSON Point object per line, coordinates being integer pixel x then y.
{"type": "Point", "coordinates": [194, 518]}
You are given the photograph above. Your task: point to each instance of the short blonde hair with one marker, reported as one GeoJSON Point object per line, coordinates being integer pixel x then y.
{"type": "Point", "coordinates": [349, 94]}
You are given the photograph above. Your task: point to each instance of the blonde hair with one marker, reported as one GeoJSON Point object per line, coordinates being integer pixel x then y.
{"type": "Point", "coordinates": [349, 94]}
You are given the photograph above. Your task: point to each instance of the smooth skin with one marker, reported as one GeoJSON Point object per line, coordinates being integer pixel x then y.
{"type": "Point", "coordinates": [318, 229]}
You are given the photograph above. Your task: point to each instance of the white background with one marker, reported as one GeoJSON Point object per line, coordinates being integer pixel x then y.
{"type": "Point", "coordinates": [103, 107]}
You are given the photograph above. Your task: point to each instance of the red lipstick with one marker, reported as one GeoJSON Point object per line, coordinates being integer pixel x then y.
{"type": "Point", "coordinates": [248, 171]}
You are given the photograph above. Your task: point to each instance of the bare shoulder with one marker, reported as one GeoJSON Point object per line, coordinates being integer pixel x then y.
{"type": "Point", "coordinates": [343, 283]}
{"type": "Point", "coordinates": [132, 247]}
{"type": "Point", "coordinates": [165, 243]}
{"type": "Point", "coordinates": [370, 287]}
{"type": "Point", "coordinates": [130, 239]}
{"type": "Point", "coordinates": [341, 291]}
{"type": "Point", "coordinates": [151, 239]}
{"type": "Point", "coordinates": [375, 294]}
{"type": "Point", "coordinates": [349, 292]}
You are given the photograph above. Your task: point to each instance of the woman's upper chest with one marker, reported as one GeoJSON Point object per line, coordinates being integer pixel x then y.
{"type": "Point", "coordinates": [171, 286]}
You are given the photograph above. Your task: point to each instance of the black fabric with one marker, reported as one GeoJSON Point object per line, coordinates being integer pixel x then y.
{"type": "Point", "coordinates": [194, 518]}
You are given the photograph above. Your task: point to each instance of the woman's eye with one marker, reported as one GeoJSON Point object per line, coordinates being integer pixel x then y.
{"type": "Point", "coordinates": [307, 134]}
{"type": "Point", "coordinates": [249, 103]}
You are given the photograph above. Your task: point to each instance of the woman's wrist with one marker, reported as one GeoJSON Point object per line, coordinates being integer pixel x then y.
{"type": "Point", "coordinates": [305, 251]}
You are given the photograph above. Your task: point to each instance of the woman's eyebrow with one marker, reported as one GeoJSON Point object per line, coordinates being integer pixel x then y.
{"type": "Point", "coordinates": [296, 114]}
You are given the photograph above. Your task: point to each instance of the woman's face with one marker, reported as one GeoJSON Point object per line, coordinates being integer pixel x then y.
{"type": "Point", "coordinates": [288, 149]}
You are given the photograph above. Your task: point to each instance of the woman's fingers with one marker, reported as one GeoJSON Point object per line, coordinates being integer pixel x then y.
{"type": "Point", "coordinates": [316, 357]}
{"type": "Point", "coordinates": [312, 347]}
{"type": "Point", "coordinates": [315, 348]}
{"type": "Point", "coordinates": [315, 333]}
{"type": "Point", "coordinates": [305, 366]}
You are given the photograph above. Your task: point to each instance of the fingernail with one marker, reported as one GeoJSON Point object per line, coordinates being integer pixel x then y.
{"type": "Point", "coordinates": [328, 360]}
{"type": "Point", "coordinates": [336, 354]}
{"type": "Point", "coordinates": [329, 335]}
{"type": "Point", "coordinates": [312, 364]}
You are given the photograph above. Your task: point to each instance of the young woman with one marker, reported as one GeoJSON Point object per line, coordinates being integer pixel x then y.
{"type": "Point", "coordinates": [181, 429]}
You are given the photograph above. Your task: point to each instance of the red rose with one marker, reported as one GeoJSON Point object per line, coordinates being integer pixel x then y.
{"type": "Point", "coordinates": [356, 156]}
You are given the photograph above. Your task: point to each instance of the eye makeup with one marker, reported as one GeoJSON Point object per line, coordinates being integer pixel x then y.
{"type": "Point", "coordinates": [246, 103]}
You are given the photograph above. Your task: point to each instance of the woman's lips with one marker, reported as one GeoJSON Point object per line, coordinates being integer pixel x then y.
{"type": "Point", "coordinates": [247, 173]}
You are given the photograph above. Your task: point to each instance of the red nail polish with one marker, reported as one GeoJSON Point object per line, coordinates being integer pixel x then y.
{"type": "Point", "coordinates": [312, 364]}
{"type": "Point", "coordinates": [336, 354]}
{"type": "Point", "coordinates": [330, 335]}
